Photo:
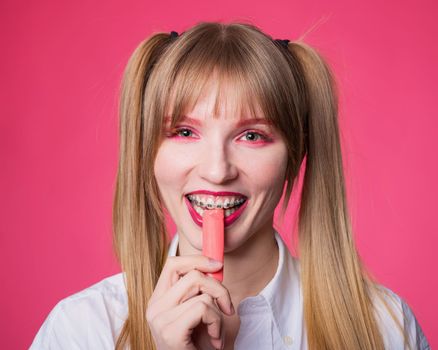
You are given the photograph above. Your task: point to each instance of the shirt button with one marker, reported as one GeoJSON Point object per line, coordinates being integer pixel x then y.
{"type": "Point", "coordinates": [287, 340]}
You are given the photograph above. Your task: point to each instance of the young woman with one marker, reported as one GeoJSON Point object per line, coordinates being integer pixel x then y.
{"type": "Point", "coordinates": [224, 116]}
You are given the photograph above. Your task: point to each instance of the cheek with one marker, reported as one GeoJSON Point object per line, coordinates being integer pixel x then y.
{"type": "Point", "coordinates": [163, 176]}
{"type": "Point", "coordinates": [170, 167]}
{"type": "Point", "coordinates": [167, 178]}
{"type": "Point", "coordinates": [268, 170]}
{"type": "Point", "coordinates": [159, 166]}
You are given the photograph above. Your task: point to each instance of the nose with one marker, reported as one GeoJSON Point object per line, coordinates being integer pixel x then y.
{"type": "Point", "coordinates": [216, 166]}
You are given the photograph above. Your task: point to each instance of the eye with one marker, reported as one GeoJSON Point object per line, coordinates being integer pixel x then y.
{"type": "Point", "coordinates": [255, 136]}
{"type": "Point", "coordinates": [184, 132]}
{"type": "Point", "coordinates": [181, 133]}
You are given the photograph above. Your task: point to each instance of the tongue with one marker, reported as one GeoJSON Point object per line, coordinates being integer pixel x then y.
{"type": "Point", "coordinates": [213, 238]}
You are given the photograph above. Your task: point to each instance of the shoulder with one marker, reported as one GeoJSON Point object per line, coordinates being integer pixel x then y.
{"type": "Point", "coordinates": [405, 317]}
{"type": "Point", "coordinates": [87, 319]}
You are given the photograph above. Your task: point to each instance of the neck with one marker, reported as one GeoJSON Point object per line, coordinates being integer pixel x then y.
{"type": "Point", "coordinates": [248, 268]}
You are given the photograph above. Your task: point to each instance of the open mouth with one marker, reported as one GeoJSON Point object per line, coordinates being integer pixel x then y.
{"type": "Point", "coordinates": [229, 206]}
{"type": "Point", "coordinates": [233, 207]}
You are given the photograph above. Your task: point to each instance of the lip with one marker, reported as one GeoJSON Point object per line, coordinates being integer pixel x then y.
{"type": "Point", "coordinates": [222, 193]}
{"type": "Point", "coordinates": [228, 220]}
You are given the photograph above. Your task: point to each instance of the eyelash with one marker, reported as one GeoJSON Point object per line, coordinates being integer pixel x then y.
{"type": "Point", "coordinates": [262, 136]}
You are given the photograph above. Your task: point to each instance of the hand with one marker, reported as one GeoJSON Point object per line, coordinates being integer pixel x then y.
{"type": "Point", "coordinates": [184, 311]}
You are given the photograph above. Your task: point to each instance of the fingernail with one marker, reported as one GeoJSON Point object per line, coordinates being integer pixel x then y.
{"type": "Point", "coordinates": [214, 263]}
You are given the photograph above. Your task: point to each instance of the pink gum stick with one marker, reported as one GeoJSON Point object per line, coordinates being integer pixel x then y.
{"type": "Point", "coordinates": [213, 238]}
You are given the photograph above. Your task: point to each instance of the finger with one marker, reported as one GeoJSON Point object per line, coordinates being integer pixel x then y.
{"type": "Point", "coordinates": [182, 309]}
{"type": "Point", "coordinates": [177, 266]}
{"type": "Point", "coordinates": [217, 343]}
{"type": "Point", "coordinates": [200, 312]}
{"type": "Point", "coordinates": [190, 285]}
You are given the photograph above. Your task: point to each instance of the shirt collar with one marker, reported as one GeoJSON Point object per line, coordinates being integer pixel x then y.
{"type": "Point", "coordinates": [283, 293]}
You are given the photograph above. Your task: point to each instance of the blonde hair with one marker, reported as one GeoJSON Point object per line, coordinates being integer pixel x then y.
{"type": "Point", "coordinates": [296, 91]}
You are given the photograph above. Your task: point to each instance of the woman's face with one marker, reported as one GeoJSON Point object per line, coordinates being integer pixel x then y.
{"type": "Point", "coordinates": [205, 157]}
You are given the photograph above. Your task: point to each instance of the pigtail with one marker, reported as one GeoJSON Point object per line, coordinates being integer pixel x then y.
{"type": "Point", "coordinates": [139, 235]}
{"type": "Point", "coordinates": [337, 306]}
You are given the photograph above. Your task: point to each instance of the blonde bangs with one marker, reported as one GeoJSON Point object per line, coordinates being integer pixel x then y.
{"type": "Point", "coordinates": [231, 95]}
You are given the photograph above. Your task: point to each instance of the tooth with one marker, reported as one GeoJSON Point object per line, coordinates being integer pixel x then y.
{"type": "Point", "coordinates": [232, 210]}
{"type": "Point", "coordinates": [198, 210]}
{"type": "Point", "coordinates": [227, 212]}
{"type": "Point", "coordinates": [219, 204]}
{"type": "Point", "coordinates": [210, 203]}
{"type": "Point", "coordinates": [226, 203]}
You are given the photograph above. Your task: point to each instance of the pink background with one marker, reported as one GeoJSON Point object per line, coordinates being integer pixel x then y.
{"type": "Point", "coordinates": [60, 71]}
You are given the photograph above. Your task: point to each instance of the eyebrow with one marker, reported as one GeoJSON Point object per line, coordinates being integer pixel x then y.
{"type": "Point", "coordinates": [243, 122]}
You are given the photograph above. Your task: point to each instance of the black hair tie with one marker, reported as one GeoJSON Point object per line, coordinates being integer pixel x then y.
{"type": "Point", "coordinates": [283, 42]}
{"type": "Point", "coordinates": [173, 35]}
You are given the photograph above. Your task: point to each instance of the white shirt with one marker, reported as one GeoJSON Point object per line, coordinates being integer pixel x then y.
{"type": "Point", "coordinates": [93, 317]}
